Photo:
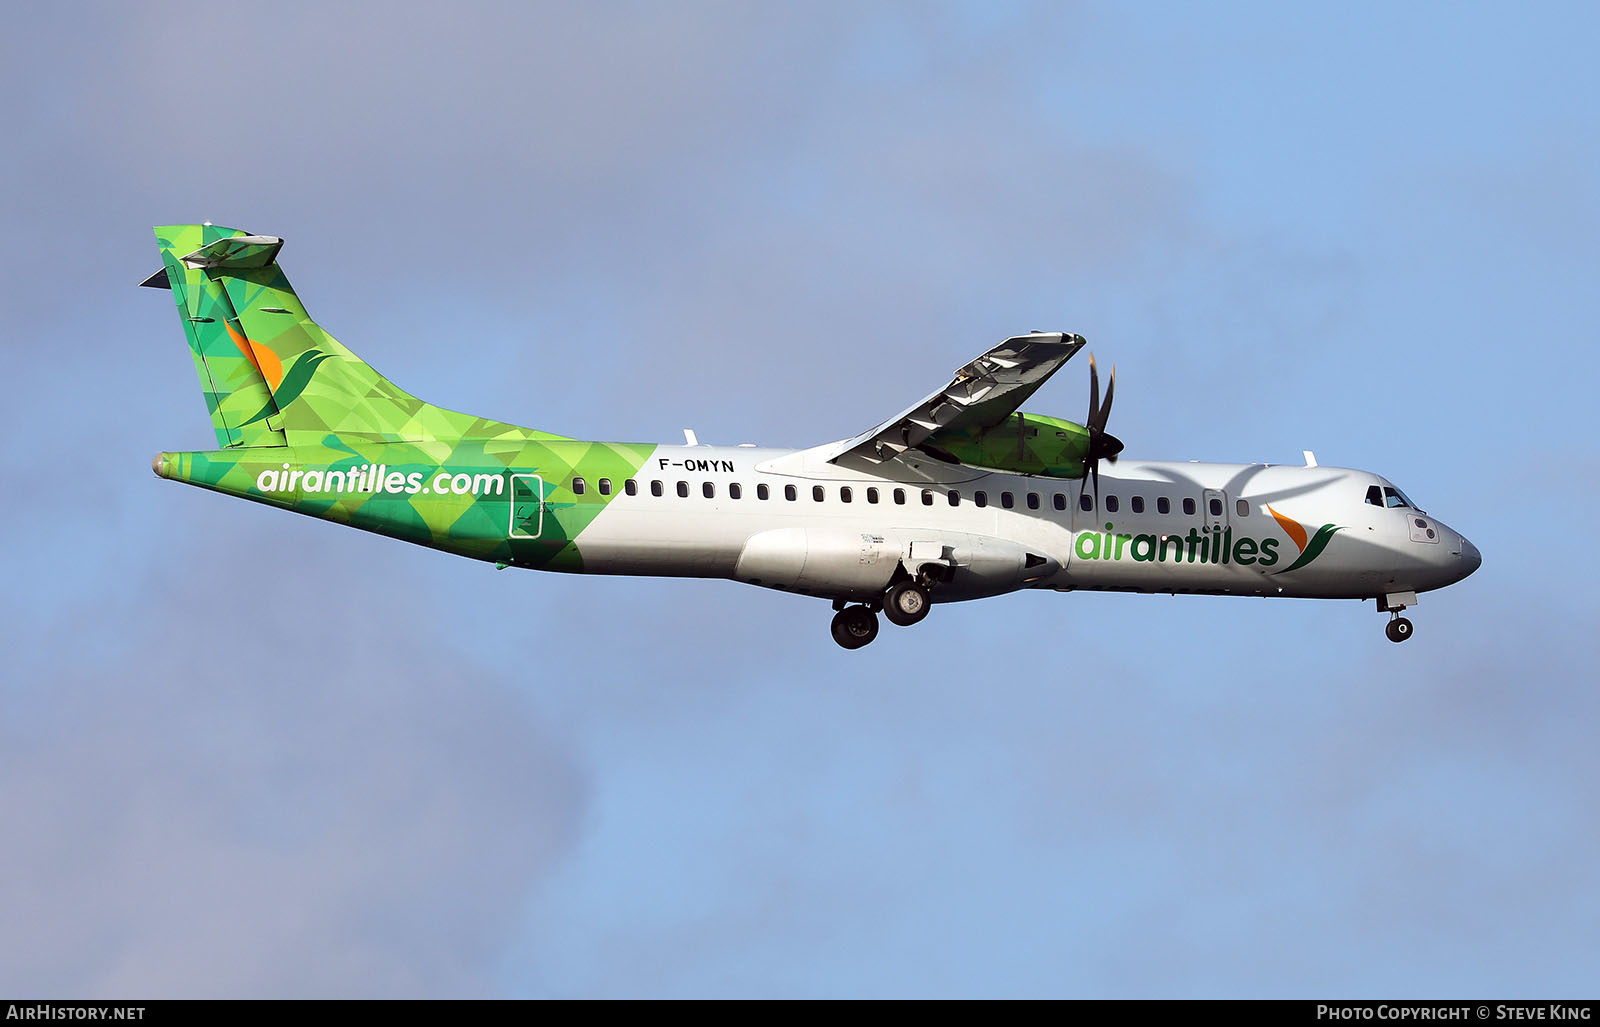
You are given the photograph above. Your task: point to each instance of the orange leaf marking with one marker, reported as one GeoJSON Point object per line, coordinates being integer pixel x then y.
{"type": "Point", "coordinates": [1294, 529]}
{"type": "Point", "coordinates": [259, 355]}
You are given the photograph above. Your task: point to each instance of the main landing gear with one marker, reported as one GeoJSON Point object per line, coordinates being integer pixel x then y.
{"type": "Point", "coordinates": [904, 603]}
{"type": "Point", "coordinates": [1398, 628]}
{"type": "Point", "coordinates": [855, 626]}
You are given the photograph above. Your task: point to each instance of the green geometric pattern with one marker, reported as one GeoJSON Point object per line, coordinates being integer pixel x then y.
{"type": "Point", "coordinates": [233, 385]}
{"type": "Point", "coordinates": [477, 526]}
{"type": "Point", "coordinates": [279, 371]}
{"type": "Point", "coordinates": [1024, 443]}
{"type": "Point", "coordinates": [304, 424]}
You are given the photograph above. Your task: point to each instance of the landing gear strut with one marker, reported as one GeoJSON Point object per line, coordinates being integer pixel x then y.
{"type": "Point", "coordinates": [1398, 628]}
{"type": "Point", "coordinates": [905, 603]}
{"type": "Point", "coordinates": [855, 626]}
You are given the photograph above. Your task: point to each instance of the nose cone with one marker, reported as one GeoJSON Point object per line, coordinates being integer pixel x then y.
{"type": "Point", "coordinates": [1470, 558]}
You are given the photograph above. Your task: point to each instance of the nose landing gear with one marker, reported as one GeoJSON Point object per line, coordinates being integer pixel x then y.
{"type": "Point", "coordinates": [1398, 628]}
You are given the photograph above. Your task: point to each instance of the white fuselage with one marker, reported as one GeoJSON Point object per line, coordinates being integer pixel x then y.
{"type": "Point", "coordinates": [792, 520]}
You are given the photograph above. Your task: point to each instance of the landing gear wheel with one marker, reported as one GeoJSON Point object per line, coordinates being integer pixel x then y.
{"type": "Point", "coordinates": [854, 627]}
{"type": "Point", "coordinates": [906, 603]}
{"type": "Point", "coordinates": [1398, 630]}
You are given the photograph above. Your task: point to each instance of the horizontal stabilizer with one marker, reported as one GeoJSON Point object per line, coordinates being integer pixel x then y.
{"type": "Point", "coordinates": [238, 251]}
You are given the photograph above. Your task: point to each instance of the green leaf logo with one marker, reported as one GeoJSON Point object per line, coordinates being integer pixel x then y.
{"type": "Point", "coordinates": [294, 382]}
{"type": "Point", "coordinates": [1310, 548]}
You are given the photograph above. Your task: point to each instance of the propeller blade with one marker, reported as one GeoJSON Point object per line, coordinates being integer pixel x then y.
{"type": "Point", "coordinates": [1094, 392]}
{"type": "Point", "coordinates": [1102, 444]}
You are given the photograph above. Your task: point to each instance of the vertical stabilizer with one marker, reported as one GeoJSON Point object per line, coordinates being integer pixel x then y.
{"type": "Point", "coordinates": [271, 375]}
{"type": "Point", "coordinates": [238, 396]}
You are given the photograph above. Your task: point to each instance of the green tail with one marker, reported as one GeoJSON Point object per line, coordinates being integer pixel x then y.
{"type": "Point", "coordinates": [271, 375]}
{"type": "Point", "coordinates": [235, 389]}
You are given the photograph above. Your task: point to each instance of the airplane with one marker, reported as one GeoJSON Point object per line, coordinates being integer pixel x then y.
{"type": "Point", "coordinates": [962, 496]}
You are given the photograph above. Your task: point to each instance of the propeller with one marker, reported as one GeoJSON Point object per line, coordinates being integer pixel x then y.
{"type": "Point", "coordinates": [1102, 444]}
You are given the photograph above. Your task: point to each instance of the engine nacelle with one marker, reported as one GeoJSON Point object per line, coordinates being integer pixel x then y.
{"type": "Point", "coordinates": [1023, 444]}
{"type": "Point", "coordinates": [976, 566]}
{"type": "Point", "coordinates": [858, 565]}
{"type": "Point", "coordinates": [832, 562]}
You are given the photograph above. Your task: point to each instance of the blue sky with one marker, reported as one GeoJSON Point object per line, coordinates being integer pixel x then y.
{"type": "Point", "coordinates": [250, 754]}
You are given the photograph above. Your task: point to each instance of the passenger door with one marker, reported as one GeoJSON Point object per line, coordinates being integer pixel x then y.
{"type": "Point", "coordinates": [527, 506]}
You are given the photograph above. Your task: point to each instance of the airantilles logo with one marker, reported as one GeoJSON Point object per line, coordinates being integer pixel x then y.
{"type": "Point", "coordinates": [1309, 549]}
{"type": "Point", "coordinates": [1215, 547]}
{"type": "Point", "coordinates": [286, 386]}
{"type": "Point", "coordinates": [378, 478]}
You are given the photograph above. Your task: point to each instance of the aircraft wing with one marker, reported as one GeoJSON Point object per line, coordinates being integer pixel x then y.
{"type": "Point", "coordinates": [981, 395]}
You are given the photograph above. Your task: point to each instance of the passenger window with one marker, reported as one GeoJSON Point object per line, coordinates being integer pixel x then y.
{"type": "Point", "coordinates": [655, 489]}
{"type": "Point", "coordinates": [1061, 501]}
{"type": "Point", "coordinates": [844, 494]}
{"type": "Point", "coordinates": [1033, 501]}
{"type": "Point", "coordinates": [578, 486]}
{"type": "Point", "coordinates": [1188, 507]}
{"type": "Point", "coordinates": [955, 498]}
{"type": "Point", "coordinates": [1138, 504]}
{"type": "Point", "coordinates": [762, 492]}
{"type": "Point", "coordinates": [789, 493]}
{"type": "Point", "coordinates": [735, 490]}
{"type": "Point", "coordinates": [1164, 505]}
{"type": "Point", "coordinates": [980, 498]}
{"type": "Point", "coordinates": [1375, 495]}
{"type": "Point", "coordinates": [683, 490]}
{"type": "Point", "coordinates": [1215, 506]}
{"type": "Point", "coordinates": [708, 490]}
{"type": "Point", "coordinates": [900, 497]}
{"type": "Point", "coordinates": [927, 497]}
{"type": "Point", "coordinates": [631, 487]}
{"type": "Point", "coordinates": [1242, 507]}
{"type": "Point", "coordinates": [817, 493]}
{"type": "Point", "coordinates": [1084, 502]}
{"type": "Point", "coordinates": [1111, 504]}
{"type": "Point", "coordinates": [1007, 500]}
{"type": "Point", "coordinates": [605, 486]}
{"type": "Point", "coordinates": [872, 495]}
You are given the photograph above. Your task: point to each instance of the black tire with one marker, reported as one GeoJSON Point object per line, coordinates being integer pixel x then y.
{"type": "Point", "coordinates": [1398, 630]}
{"type": "Point", "coordinates": [839, 635]}
{"type": "Point", "coordinates": [854, 626]}
{"type": "Point", "coordinates": [905, 603]}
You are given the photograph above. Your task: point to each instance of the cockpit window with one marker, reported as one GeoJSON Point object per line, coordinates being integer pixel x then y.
{"type": "Point", "coordinates": [1374, 495]}
{"type": "Point", "coordinates": [1393, 498]}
